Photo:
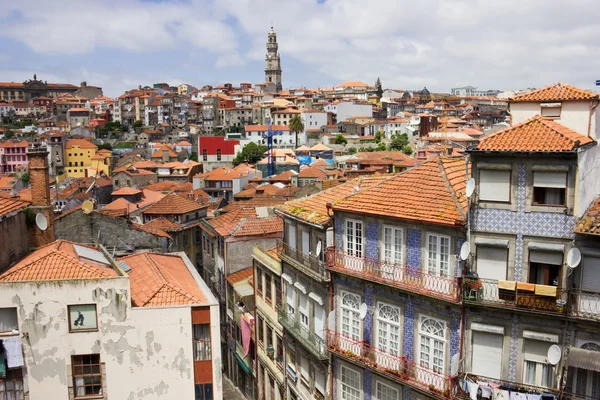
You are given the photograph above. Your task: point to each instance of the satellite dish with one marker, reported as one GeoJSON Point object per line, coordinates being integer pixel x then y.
{"type": "Point", "coordinates": [470, 187]}
{"type": "Point", "coordinates": [363, 310]}
{"type": "Point", "coordinates": [87, 207]}
{"type": "Point", "coordinates": [573, 257]}
{"type": "Point", "coordinates": [554, 354]}
{"type": "Point", "coordinates": [319, 245]}
{"type": "Point", "coordinates": [41, 221]}
{"type": "Point", "coordinates": [465, 251]}
{"type": "Point", "coordinates": [454, 364]}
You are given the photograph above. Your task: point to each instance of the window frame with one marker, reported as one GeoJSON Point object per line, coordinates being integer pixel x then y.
{"type": "Point", "coordinates": [510, 178]}
{"type": "Point", "coordinates": [355, 313]}
{"type": "Point", "coordinates": [438, 255]}
{"type": "Point", "coordinates": [353, 247]}
{"type": "Point", "coordinates": [564, 191]}
{"type": "Point", "coordinates": [98, 395]}
{"type": "Point", "coordinates": [343, 384]}
{"type": "Point", "coordinates": [207, 342]}
{"type": "Point", "coordinates": [71, 330]}
{"type": "Point", "coordinates": [432, 338]}
{"type": "Point", "coordinates": [393, 260]}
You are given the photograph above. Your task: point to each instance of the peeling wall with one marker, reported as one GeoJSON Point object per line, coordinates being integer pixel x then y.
{"type": "Point", "coordinates": [146, 352]}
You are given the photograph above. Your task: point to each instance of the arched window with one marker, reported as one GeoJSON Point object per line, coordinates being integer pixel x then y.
{"type": "Point", "coordinates": [351, 316]}
{"type": "Point", "coordinates": [388, 328]}
{"type": "Point", "coordinates": [433, 344]}
{"type": "Point", "coordinates": [591, 346]}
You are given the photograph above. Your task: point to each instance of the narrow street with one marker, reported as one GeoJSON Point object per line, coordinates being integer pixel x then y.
{"type": "Point", "coordinates": [230, 392]}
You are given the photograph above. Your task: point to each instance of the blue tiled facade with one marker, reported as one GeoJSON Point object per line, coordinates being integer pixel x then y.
{"type": "Point", "coordinates": [368, 321]}
{"type": "Point", "coordinates": [514, 343]}
{"type": "Point", "coordinates": [338, 233]}
{"type": "Point", "coordinates": [455, 333]}
{"type": "Point", "coordinates": [409, 330]}
{"type": "Point", "coordinates": [372, 248]}
{"type": "Point", "coordinates": [413, 248]}
{"type": "Point", "coordinates": [368, 386]}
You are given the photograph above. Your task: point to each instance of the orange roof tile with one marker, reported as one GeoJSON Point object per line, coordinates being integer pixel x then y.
{"type": "Point", "coordinates": [159, 153]}
{"type": "Point", "coordinates": [240, 275]}
{"type": "Point", "coordinates": [161, 280]}
{"type": "Point", "coordinates": [8, 206]}
{"type": "Point", "coordinates": [56, 261]}
{"type": "Point", "coordinates": [352, 84]}
{"type": "Point", "coordinates": [162, 224]}
{"type": "Point", "coordinates": [126, 191]}
{"type": "Point", "coordinates": [427, 193]}
{"type": "Point", "coordinates": [173, 204]}
{"type": "Point", "coordinates": [590, 222]}
{"type": "Point", "coordinates": [313, 208]}
{"type": "Point", "coordinates": [556, 92]}
{"type": "Point", "coordinates": [537, 134]}
{"type": "Point", "coordinates": [311, 172]}
{"type": "Point", "coordinates": [81, 143]}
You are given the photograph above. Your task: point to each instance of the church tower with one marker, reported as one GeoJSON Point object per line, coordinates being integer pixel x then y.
{"type": "Point", "coordinates": [273, 63]}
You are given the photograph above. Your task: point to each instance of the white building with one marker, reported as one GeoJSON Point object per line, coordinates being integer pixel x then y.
{"type": "Point", "coordinates": [349, 109]}
{"type": "Point", "coordinates": [258, 133]}
{"type": "Point", "coordinates": [77, 324]}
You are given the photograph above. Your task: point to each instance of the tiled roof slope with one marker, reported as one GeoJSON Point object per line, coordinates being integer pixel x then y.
{"type": "Point", "coordinates": [10, 205]}
{"type": "Point", "coordinates": [239, 275]}
{"type": "Point", "coordinates": [427, 193]}
{"type": "Point", "coordinates": [244, 222]}
{"type": "Point", "coordinates": [173, 204]}
{"type": "Point", "coordinates": [161, 280]}
{"type": "Point", "coordinates": [55, 261]}
{"type": "Point", "coordinates": [556, 92]}
{"type": "Point", "coordinates": [590, 222]}
{"type": "Point", "coordinates": [538, 134]}
{"type": "Point", "coordinates": [313, 208]}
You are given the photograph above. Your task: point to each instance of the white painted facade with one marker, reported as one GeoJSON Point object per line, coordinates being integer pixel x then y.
{"type": "Point", "coordinates": [580, 116]}
{"type": "Point", "coordinates": [145, 352]}
{"type": "Point", "coordinates": [286, 139]}
{"type": "Point", "coordinates": [350, 109]}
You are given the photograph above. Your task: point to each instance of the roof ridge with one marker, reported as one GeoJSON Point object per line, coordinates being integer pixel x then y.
{"type": "Point", "coordinates": [450, 188]}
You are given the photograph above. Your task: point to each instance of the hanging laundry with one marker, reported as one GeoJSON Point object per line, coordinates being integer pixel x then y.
{"type": "Point", "coordinates": [2, 365]}
{"type": "Point", "coordinates": [473, 387]}
{"type": "Point", "coordinates": [499, 394]}
{"type": "Point", "coordinates": [486, 391]}
{"type": "Point", "coordinates": [14, 352]}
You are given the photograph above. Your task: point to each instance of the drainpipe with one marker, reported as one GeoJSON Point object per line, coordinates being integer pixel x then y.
{"type": "Point", "coordinates": [331, 396]}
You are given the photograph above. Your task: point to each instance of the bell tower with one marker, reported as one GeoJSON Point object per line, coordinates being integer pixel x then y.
{"type": "Point", "coordinates": [273, 63]}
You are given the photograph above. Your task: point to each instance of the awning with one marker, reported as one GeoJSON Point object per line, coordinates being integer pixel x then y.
{"type": "Point", "coordinates": [586, 359]}
{"type": "Point", "coordinates": [243, 364]}
{"type": "Point", "coordinates": [243, 288]}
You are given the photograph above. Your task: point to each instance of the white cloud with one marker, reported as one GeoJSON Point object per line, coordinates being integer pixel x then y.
{"type": "Point", "coordinates": [437, 43]}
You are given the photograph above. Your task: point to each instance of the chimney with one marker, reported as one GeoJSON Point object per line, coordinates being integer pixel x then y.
{"type": "Point", "coordinates": [40, 196]}
{"type": "Point", "coordinates": [165, 155]}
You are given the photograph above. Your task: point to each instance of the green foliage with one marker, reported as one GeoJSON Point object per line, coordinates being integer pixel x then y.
{"type": "Point", "coordinates": [351, 150]}
{"type": "Point", "coordinates": [381, 147]}
{"type": "Point", "coordinates": [399, 141]}
{"type": "Point", "coordinates": [378, 136]}
{"type": "Point", "coordinates": [138, 124]}
{"type": "Point", "coordinates": [8, 134]}
{"type": "Point", "coordinates": [296, 126]}
{"type": "Point", "coordinates": [124, 128]}
{"type": "Point", "coordinates": [340, 139]}
{"type": "Point", "coordinates": [25, 178]}
{"type": "Point", "coordinates": [194, 157]}
{"type": "Point", "coordinates": [105, 146]}
{"type": "Point", "coordinates": [125, 145]}
{"type": "Point", "coordinates": [250, 154]}
{"type": "Point", "coordinates": [407, 150]}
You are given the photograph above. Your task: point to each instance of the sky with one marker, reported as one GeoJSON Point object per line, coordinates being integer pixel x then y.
{"type": "Point", "coordinates": [121, 44]}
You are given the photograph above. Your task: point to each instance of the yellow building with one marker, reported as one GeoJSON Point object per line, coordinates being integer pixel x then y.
{"type": "Point", "coordinates": [101, 163]}
{"type": "Point", "coordinates": [79, 154]}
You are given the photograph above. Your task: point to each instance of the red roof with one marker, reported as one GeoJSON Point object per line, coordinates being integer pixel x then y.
{"type": "Point", "coordinates": [173, 204]}
{"type": "Point", "coordinates": [556, 92]}
{"type": "Point", "coordinates": [213, 143]}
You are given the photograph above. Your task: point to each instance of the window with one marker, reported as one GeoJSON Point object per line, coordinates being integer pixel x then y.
{"type": "Point", "coordinates": [87, 375]}
{"type": "Point", "coordinates": [351, 315]}
{"type": "Point", "coordinates": [259, 280]}
{"type": "Point", "coordinates": [303, 308]}
{"type": "Point", "coordinates": [278, 293]}
{"type": "Point", "coordinates": [392, 245]}
{"type": "Point", "coordinates": [438, 255]}
{"type": "Point", "coordinates": [388, 328]}
{"type": "Point", "coordinates": [204, 155]}
{"type": "Point", "coordinates": [218, 154]}
{"type": "Point", "coordinates": [545, 267]}
{"type": "Point", "coordinates": [432, 344]}
{"type": "Point", "coordinates": [583, 382]}
{"type": "Point", "coordinates": [269, 336]}
{"type": "Point", "coordinates": [260, 330]}
{"type": "Point", "coordinates": [551, 110]}
{"type": "Point", "coordinates": [203, 391]}
{"type": "Point", "coordinates": [494, 185]}
{"type": "Point", "coordinates": [83, 318]}
{"type": "Point", "coordinates": [268, 288]}
{"type": "Point", "coordinates": [11, 385]}
{"type": "Point", "coordinates": [354, 236]}
{"type": "Point", "coordinates": [291, 305]}
{"type": "Point", "coordinates": [536, 371]}
{"type": "Point", "coordinates": [385, 392]}
{"type": "Point", "coordinates": [549, 188]}
{"type": "Point", "coordinates": [492, 262]}
{"type": "Point", "coordinates": [202, 347]}
{"type": "Point", "coordinates": [350, 384]}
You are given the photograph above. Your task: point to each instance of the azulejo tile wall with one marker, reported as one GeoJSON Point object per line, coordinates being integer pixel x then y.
{"type": "Point", "coordinates": [368, 379]}
{"type": "Point", "coordinates": [413, 248]}
{"type": "Point", "coordinates": [514, 340]}
{"type": "Point", "coordinates": [368, 321]}
{"type": "Point", "coordinates": [338, 233]}
{"type": "Point", "coordinates": [409, 330]}
{"type": "Point", "coordinates": [372, 248]}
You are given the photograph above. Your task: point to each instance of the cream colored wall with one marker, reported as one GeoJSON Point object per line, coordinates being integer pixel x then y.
{"type": "Point", "coordinates": [574, 115]}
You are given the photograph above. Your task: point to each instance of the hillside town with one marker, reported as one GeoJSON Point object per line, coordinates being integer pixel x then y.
{"type": "Point", "coordinates": [246, 241]}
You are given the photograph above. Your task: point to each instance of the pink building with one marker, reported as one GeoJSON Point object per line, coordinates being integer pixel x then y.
{"type": "Point", "coordinates": [13, 156]}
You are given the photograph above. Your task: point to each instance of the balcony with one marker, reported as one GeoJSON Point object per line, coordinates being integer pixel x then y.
{"type": "Point", "coordinates": [411, 279]}
{"type": "Point", "coordinates": [309, 340]}
{"type": "Point", "coordinates": [308, 264]}
{"type": "Point", "coordinates": [516, 295]}
{"type": "Point", "coordinates": [585, 304]}
{"type": "Point", "coordinates": [529, 389]}
{"type": "Point", "coordinates": [397, 368]}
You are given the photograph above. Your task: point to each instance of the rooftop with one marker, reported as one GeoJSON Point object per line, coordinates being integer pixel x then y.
{"type": "Point", "coordinates": [590, 222]}
{"type": "Point", "coordinates": [556, 92]}
{"type": "Point", "coordinates": [173, 204]}
{"type": "Point", "coordinates": [8, 206]}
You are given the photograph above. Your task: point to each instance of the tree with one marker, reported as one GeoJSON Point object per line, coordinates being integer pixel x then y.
{"type": "Point", "coordinates": [378, 136]}
{"type": "Point", "coordinates": [25, 177]}
{"type": "Point", "coordinates": [138, 124]}
{"type": "Point", "coordinates": [105, 146]}
{"type": "Point", "coordinates": [194, 157]}
{"type": "Point", "coordinates": [9, 134]}
{"type": "Point", "coordinates": [124, 128]}
{"type": "Point", "coordinates": [296, 126]}
{"type": "Point", "coordinates": [399, 141]}
{"type": "Point", "coordinates": [351, 150]}
{"type": "Point", "coordinates": [251, 153]}
{"type": "Point", "coordinates": [378, 88]}
{"type": "Point", "coordinates": [340, 139]}
{"type": "Point", "coordinates": [381, 147]}
{"type": "Point", "coordinates": [407, 150]}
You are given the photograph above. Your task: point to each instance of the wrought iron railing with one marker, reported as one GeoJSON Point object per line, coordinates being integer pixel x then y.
{"type": "Point", "coordinates": [395, 367]}
{"type": "Point", "coordinates": [409, 278]}
{"type": "Point", "coordinates": [585, 304]}
{"type": "Point", "coordinates": [519, 295]}
{"type": "Point", "coordinates": [310, 340]}
{"type": "Point", "coordinates": [308, 262]}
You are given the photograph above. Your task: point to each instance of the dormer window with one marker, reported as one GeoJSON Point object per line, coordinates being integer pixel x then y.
{"type": "Point", "coordinates": [549, 188]}
{"type": "Point", "coordinates": [551, 109]}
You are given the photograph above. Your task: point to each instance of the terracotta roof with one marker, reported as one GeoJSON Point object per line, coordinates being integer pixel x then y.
{"type": "Point", "coordinates": [82, 143]}
{"type": "Point", "coordinates": [7, 182]}
{"type": "Point", "coordinates": [319, 147]}
{"type": "Point", "coordinates": [173, 204]}
{"type": "Point", "coordinates": [162, 224]}
{"type": "Point", "coordinates": [240, 275]}
{"type": "Point", "coordinates": [311, 172]}
{"type": "Point", "coordinates": [261, 128]}
{"type": "Point", "coordinates": [556, 92]}
{"type": "Point", "coordinates": [126, 191]}
{"type": "Point", "coordinates": [352, 84]}
{"type": "Point", "coordinates": [537, 134]}
{"type": "Point", "coordinates": [590, 222]}
{"type": "Point", "coordinates": [161, 280]}
{"type": "Point", "coordinates": [313, 208]}
{"type": "Point", "coordinates": [8, 206]}
{"type": "Point", "coordinates": [150, 230]}
{"type": "Point", "coordinates": [145, 165]}
{"type": "Point", "coordinates": [121, 207]}
{"type": "Point", "coordinates": [284, 176]}
{"type": "Point", "coordinates": [56, 261]}
{"type": "Point", "coordinates": [432, 192]}
{"type": "Point", "coordinates": [226, 174]}
{"type": "Point", "coordinates": [159, 153]}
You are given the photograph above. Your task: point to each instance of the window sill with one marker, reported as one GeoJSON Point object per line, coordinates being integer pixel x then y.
{"type": "Point", "coordinates": [91, 396]}
{"type": "Point", "coordinates": [83, 331]}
